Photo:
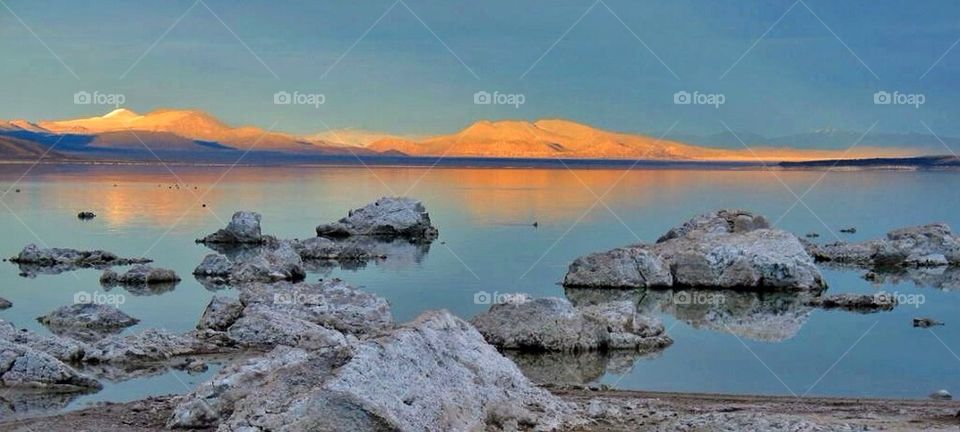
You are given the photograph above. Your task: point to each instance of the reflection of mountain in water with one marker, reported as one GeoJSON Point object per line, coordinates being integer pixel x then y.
{"type": "Point", "coordinates": [762, 316]}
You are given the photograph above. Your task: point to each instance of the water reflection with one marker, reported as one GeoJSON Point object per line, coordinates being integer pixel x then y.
{"type": "Point", "coordinates": [564, 369]}
{"type": "Point", "coordinates": [760, 316]}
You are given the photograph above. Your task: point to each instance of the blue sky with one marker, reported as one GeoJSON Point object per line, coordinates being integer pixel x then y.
{"type": "Point", "coordinates": [816, 66]}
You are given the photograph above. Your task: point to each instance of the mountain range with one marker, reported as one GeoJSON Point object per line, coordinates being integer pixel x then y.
{"type": "Point", "coordinates": [196, 136]}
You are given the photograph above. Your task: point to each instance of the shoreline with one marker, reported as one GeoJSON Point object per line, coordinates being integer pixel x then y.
{"type": "Point", "coordinates": [898, 164]}
{"type": "Point", "coordinates": [610, 410]}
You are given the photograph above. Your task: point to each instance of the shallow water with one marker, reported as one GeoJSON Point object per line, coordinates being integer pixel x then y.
{"type": "Point", "coordinates": [488, 245]}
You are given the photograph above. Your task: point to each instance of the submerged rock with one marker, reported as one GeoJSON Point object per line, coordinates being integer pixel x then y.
{"type": "Point", "coordinates": [87, 316]}
{"type": "Point", "coordinates": [925, 322]}
{"type": "Point", "coordinates": [34, 260]}
{"type": "Point", "coordinates": [22, 366]}
{"type": "Point", "coordinates": [244, 227]}
{"type": "Point", "coordinates": [920, 246]}
{"type": "Point", "coordinates": [553, 324]}
{"type": "Point", "coordinates": [387, 217]}
{"type": "Point", "coordinates": [863, 303]}
{"type": "Point", "coordinates": [724, 249]}
{"type": "Point", "coordinates": [140, 274]}
{"type": "Point", "coordinates": [5, 304]}
{"type": "Point", "coordinates": [434, 374]}
{"type": "Point", "coordinates": [86, 215]}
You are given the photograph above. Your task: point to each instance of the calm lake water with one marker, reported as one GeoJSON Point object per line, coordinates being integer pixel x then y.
{"type": "Point", "coordinates": [488, 244]}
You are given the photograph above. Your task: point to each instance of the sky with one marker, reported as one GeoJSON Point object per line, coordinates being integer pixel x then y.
{"type": "Point", "coordinates": [414, 66]}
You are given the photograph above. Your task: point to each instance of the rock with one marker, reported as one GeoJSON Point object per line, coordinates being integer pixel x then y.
{"type": "Point", "coordinates": [262, 327]}
{"type": "Point", "coordinates": [330, 303]}
{"type": "Point", "coordinates": [387, 217]}
{"type": "Point", "coordinates": [87, 316]}
{"type": "Point", "coordinates": [86, 215]}
{"type": "Point", "coordinates": [850, 230]}
{"type": "Point", "coordinates": [553, 324]}
{"type": "Point", "coordinates": [926, 322]}
{"type": "Point", "coordinates": [22, 366]}
{"type": "Point", "coordinates": [5, 304]}
{"type": "Point", "coordinates": [724, 249]}
{"type": "Point", "coordinates": [620, 268]}
{"type": "Point", "coordinates": [812, 235]}
{"type": "Point", "coordinates": [220, 313]}
{"type": "Point", "coordinates": [863, 303]}
{"type": "Point", "coordinates": [920, 246]}
{"type": "Point", "coordinates": [719, 222]}
{"type": "Point", "coordinates": [63, 349]}
{"type": "Point", "coordinates": [941, 395]}
{"type": "Point", "coordinates": [434, 374]}
{"type": "Point", "coordinates": [148, 346]}
{"type": "Point", "coordinates": [270, 264]}
{"type": "Point", "coordinates": [140, 274]}
{"type": "Point", "coordinates": [214, 266]}
{"type": "Point", "coordinates": [33, 260]}
{"type": "Point", "coordinates": [244, 227]}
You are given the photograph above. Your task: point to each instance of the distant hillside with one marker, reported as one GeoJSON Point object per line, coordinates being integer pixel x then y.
{"type": "Point", "coordinates": [566, 139]}
{"type": "Point", "coordinates": [18, 149]}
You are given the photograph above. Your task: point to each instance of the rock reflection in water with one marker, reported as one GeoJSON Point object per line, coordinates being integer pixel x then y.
{"type": "Point", "coordinates": [761, 316]}
{"type": "Point", "coordinates": [942, 278]}
{"type": "Point", "coordinates": [23, 403]}
{"type": "Point", "coordinates": [565, 369]}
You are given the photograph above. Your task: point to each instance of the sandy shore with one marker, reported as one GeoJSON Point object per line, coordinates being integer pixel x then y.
{"type": "Point", "coordinates": [614, 411]}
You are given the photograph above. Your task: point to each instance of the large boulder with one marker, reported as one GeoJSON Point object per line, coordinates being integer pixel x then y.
{"type": "Point", "coordinates": [929, 245]}
{"type": "Point", "coordinates": [387, 217]}
{"type": "Point", "coordinates": [244, 227]}
{"type": "Point", "coordinates": [434, 374]}
{"type": "Point", "coordinates": [87, 316]}
{"type": "Point", "coordinates": [724, 249]}
{"type": "Point", "coordinates": [330, 303]}
{"type": "Point", "coordinates": [148, 346]}
{"type": "Point", "coordinates": [553, 324]}
{"type": "Point", "coordinates": [22, 366]}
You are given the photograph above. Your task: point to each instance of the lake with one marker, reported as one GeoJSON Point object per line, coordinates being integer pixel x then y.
{"type": "Point", "coordinates": [488, 245]}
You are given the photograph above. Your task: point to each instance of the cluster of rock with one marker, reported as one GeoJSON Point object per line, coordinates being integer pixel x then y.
{"type": "Point", "coordinates": [33, 260]}
{"type": "Point", "coordinates": [554, 324]}
{"type": "Point", "coordinates": [932, 245]}
{"type": "Point", "coordinates": [389, 227]}
{"type": "Point", "coordinates": [723, 249]}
